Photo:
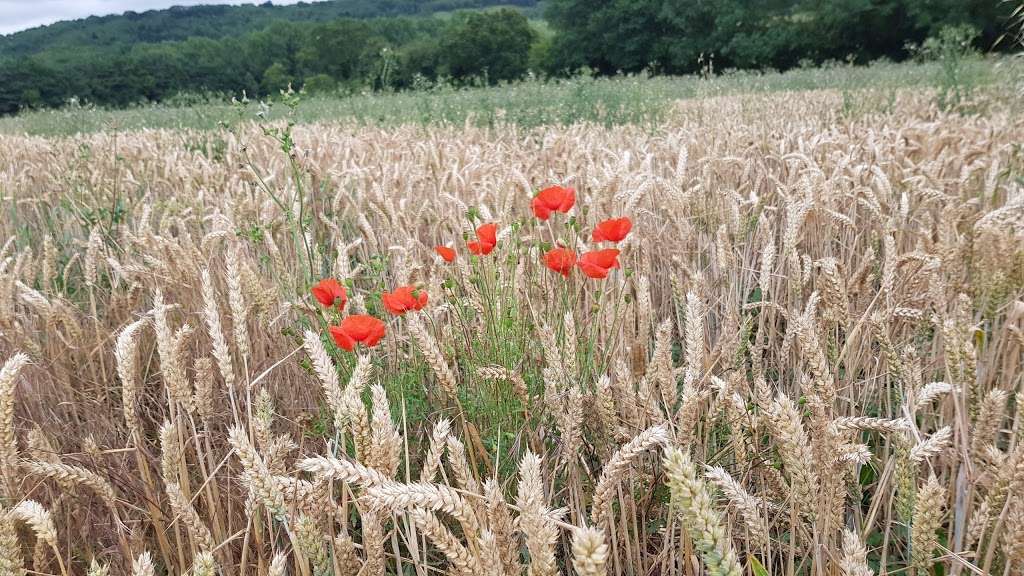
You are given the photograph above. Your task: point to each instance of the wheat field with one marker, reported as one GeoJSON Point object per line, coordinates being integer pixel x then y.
{"type": "Point", "coordinates": [804, 359]}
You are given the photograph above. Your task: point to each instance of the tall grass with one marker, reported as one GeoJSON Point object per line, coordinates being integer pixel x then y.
{"type": "Point", "coordinates": [608, 101]}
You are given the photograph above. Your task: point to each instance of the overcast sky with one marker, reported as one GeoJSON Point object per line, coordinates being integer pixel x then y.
{"type": "Point", "coordinates": [20, 14]}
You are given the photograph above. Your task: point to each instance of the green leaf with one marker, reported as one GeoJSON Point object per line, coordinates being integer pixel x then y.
{"type": "Point", "coordinates": [757, 567]}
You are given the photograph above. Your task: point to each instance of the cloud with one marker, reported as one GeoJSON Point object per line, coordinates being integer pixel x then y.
{"type": "Point", "coordinates": [18, 15]}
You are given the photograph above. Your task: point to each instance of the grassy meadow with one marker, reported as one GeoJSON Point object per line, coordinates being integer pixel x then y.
{"type": "Point", "coordinates": [230, 344]}
{"type": "Point", "coordinates": [639, 100]}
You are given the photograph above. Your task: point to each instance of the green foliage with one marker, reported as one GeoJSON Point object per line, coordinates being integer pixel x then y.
{"type": "Point", "coordinates": [319, 84]}
{"type": "Point", "coordinates": [679, 37]}
{"type": "Point", "coordinates": [358, 45]}
{"type": "Point", "coordinates": [275, 78]}
{"type": "Point", "coordinates": [216, 21]}
{"type": "Point", "coordinates": [121, 61]}
{"type": "Point", "coordinates": [1015, 34]}
{"type": "Point", "coordinates": [636, 100]}
{"type": "Point", "coordinates": [492, 45]}
{"type": "Point", "coordinates": [952, 48]}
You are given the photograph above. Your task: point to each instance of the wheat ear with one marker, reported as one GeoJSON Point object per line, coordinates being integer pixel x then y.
{"type": "Point", "coordinates": [462, 562]}
{"type": "Point", "coordinates": [11, 561]}
{"type": "Point", "coordinates": [342, 469]}
{"type": "Point", "coordinates": [855, 557]}
{"type": "Point", "coordinates": [143, 565]}
{"type": "Point", "coordinates": [397, 496]}
{"type": "Point", "coordinates": [278, 566]}
{"type": "Point", "coordinates": [65, 473]}
{"type": "Point", "coordinates": [747, 505]}
{"type": "Point", "coordinates": [432, 460]}
{"type": "Point", "coordinates": [427, 346]}
{"type": "Point", "coordinates": [702, 522]}
{"type": "Point", "coordinates": [540, 532]}
{"type": "Point", "coordinates": [926, 521]}
{"type": "Point", "coordinates": [8, 442]}
{"type": "Point", "coordinates": [617, 467]}
{"type": "Point", "coordinates": [589, 552]}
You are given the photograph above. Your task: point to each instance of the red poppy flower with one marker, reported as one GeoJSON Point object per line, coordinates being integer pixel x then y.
{"type": "Point", "coordinates": [329, 291]}
{"type": "Point", "coordinates": [487, 239]}
{"type": "Point", "coordinates": [560, 260]}
{"type": "Point", "coordinates": [403, 299]}
{"type": "Point", "coordinates": [357, 328]}
{"type": "Point", "coordinates": [598, 263]}
{"type": "Point", "coordinates": [479, 248]}
{"type": "Point", "coordinates": [553, 199]}
{"type": "Point", "coordinates": [612, 230]}
{"type": "Point", "coordinates": [445, 252]}
{"type": "Point", "coordinates": [488, 234]}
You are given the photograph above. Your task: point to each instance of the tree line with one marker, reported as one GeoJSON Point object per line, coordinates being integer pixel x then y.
{"type": "Point", "coordinates": [473, 46]}
{"type": "Point", "coordinates": [683, 36]}
{"type": "Point", "coordinates": [346, 53]}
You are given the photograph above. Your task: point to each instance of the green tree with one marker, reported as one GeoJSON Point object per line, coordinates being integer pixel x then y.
{"type": "Point", "coordinates": [345, 49]}
{"type": "Point", "coordinates": [27, 82]}
{"type": "Point", "coordinates": [280, 43]}
{"type": "Point", "coordinates": [495, 44]}
{"type": "Point", "coordinates": [275, 79]}
{"type": "Point", "coordinates": [419, 58]}
{"type": "Point", "coordinates": [674, 35]}
{"type": "Point", "coordinates": [628, 36]}
{"type": "Point", "coordinates": [319, 84]}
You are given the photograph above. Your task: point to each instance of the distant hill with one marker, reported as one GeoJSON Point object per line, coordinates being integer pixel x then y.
{"type": "Point", "coordinates": [339, 46]}
{"type": "Point", "coordinates": [217, 21]}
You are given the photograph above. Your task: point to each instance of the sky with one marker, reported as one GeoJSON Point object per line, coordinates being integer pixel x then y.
{"type": "Point", "coordinates": [21, 14]}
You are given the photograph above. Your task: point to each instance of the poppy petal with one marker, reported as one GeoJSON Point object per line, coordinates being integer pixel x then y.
{"type": "Point", "coordinates": [539, 209]}
{"type": "Point", "coordinates": [488, 234]}
{"type": "Point", "coordinates": [480, 248]}
{"type": "Point", "coordinates": [343, 340]}
{"type": "Point", "coordinates": [392, 304]}
{"type": "Point", "coordinates": [553, 199]}
{"type": "Point", "coordinates": [597, 263]}
{"type": "Point", "coordinates": [560, 260]}
{"type": "Point", "coordinates": [446, 253]}
{"type": "Point", "coordinates": [612, 230]}
{"type": "Point", "coordinates": [375, 335]}
{"type": "Point", "coordinates": [593, 271]}
{"type": "Point", "coordinates": [328, 292]}
{"type": "Point", "coordinates": [568, 200]}
{"type": "Point", "coordinates": [322, 296]}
